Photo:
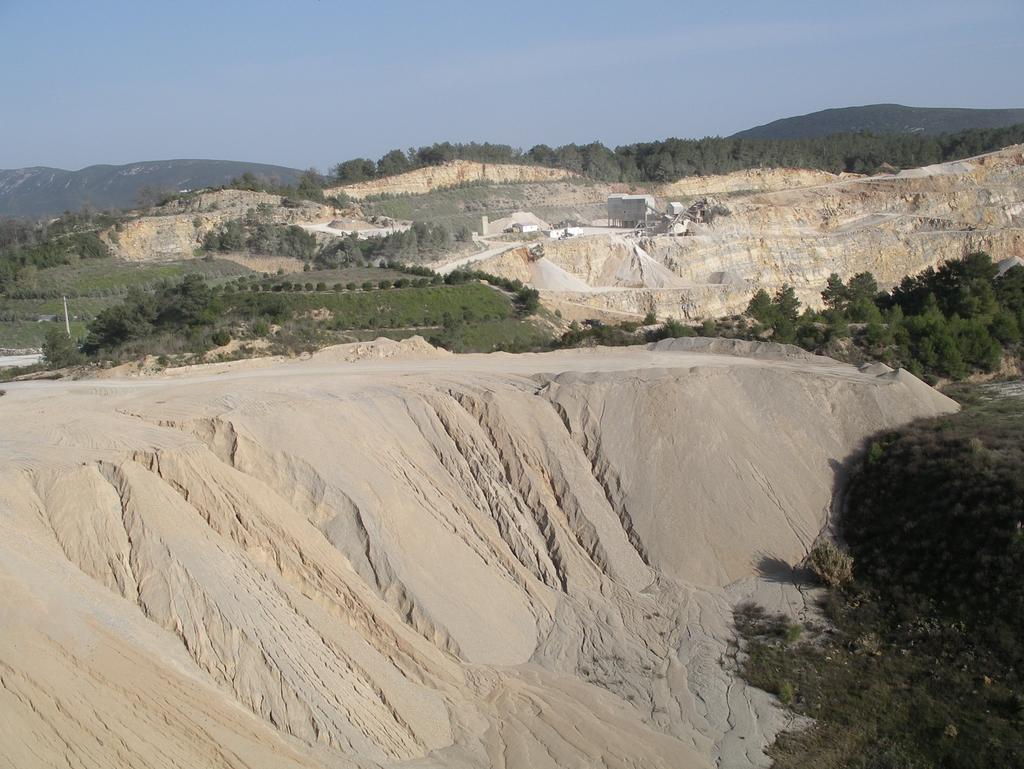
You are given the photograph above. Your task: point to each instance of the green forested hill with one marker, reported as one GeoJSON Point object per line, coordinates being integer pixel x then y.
{"type": "Point", "coordinates": [41, 191]}
{"type": "Point", "coordinates": [884, 119]}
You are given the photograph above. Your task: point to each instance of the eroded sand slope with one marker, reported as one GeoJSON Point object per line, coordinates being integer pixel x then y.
{"type": "Point", "coordinates": [513, 561]}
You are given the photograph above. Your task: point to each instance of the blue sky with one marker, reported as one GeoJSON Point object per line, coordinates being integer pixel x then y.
{"type": "Point", "coordinates": [311, 82]}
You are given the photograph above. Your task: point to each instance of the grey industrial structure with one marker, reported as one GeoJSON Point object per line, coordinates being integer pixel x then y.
{"type": "Point", "coordinates": [630, 210]}
{"type": "Point", "coordinates": [640, 212]}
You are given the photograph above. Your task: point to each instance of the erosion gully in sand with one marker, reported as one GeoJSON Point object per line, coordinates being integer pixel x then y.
{"type": "Point", "coordinates": [429, 560]}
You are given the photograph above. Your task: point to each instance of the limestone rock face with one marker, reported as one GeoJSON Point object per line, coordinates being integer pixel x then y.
{"type": "Point", "coordinates": [892, 226]}
{"type": "Point", "coordinates": [750, 180]}
{"type": "Point", "coordinates": [450, 174]}
{"type": "Point", "coordinates": [473, 561]}
{"type": "Point", "coordinates": [176, 229]}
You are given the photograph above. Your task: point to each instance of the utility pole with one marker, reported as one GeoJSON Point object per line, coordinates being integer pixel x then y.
{"type": "Point", "coordinates": [67, 321]}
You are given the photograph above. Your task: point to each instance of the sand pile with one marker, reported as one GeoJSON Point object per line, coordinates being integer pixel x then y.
{"type": "Point", "coordinates": [639, 270]}
{"type": "Point", "coordinates": [382, 348]}
{"type": "Point", "coordinates": [547, 275]}
{"type": "Point", "coordinates": [470, 561]}
{"type": "Point", "coordinates": [517, 217]}
{"type": "Point", "coordinates": [747, 348]}
{"type": "Point", "coordinates": [585, 264]}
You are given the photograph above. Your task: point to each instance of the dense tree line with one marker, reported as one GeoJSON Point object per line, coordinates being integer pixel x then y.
{"type": "Point", "coordinates": [671, 159]}
{"type": "Point", "coordinates": [42, 247]}
{"type": "Point", "coordinates": [179, 307]}
{"type": "Point", "coordinates": [397, 161]}
{"type": "Point", "coordinates": [257, 236]}
{"type": "Point", "coordinates": [309, 187]}
{"type": "Point", "coordinates": [946, 322]}
{"type": "Point", "coordinates": [420, 241]}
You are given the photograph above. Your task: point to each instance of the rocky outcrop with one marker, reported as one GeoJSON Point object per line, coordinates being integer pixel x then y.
{"type": "Point", "coordinates": [176, 229]}
{"type": "Point", "coordinates": [475, 561]}
{"type": "Point", "coordinates": [450, 174]}
{"type": "Point", "coordinates": [749, 180]}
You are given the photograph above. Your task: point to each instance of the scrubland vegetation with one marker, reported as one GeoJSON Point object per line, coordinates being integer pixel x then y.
{"type": "Point", "coordinates": [465, 311]}
{"type": "Point", "coordinates": [918, 660]}
{"type": "Point", "coordinates": [27, 246]}
{"type": "Point", "coordinates": [947, 323]}
{"type": "Point", "coordinates": [256, 235]}
{"type": "Point", "coordinates": [309, 187]}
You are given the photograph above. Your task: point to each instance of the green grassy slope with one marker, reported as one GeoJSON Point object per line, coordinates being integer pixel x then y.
{"type": "Point", "coordinates": [91, 286]}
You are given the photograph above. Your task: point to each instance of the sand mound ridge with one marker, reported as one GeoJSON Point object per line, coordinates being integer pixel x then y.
{"type": "Point", "coordinates": [472, 561]}
{"type": "Point", "coordinates": [382, 348]}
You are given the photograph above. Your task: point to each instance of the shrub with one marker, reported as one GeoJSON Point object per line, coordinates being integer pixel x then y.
{"type": "Point", "coordinates": [832, 565]}
{"type": "Point", "coordinates": [672, 329]}
{"type": "Point", "coordinates": [220, 337]}
{"type": "Point", "coordinates": [786, 692]}
{"type": "Point", "coordinates": [58, 349]}
{"type": "Point", "coordinates": [875, 453]}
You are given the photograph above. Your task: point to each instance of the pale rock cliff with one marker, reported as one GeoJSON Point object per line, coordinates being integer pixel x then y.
{"type": "Point", "coordinates": [450, 174]}
{"type": "Point", "coordinates": [749, 180]}
{"type": "Point", "coordinates": [176, 229]}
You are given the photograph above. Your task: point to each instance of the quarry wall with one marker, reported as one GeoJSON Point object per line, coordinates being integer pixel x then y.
{"type": "Point", "coordinates": [450, 174]}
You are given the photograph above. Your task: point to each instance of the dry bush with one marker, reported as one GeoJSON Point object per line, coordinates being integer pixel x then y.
{"type": "Point", "coordinates": [832, 565]}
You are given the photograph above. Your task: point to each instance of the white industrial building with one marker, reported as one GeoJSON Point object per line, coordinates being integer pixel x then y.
{"type": "Point", "coordinates": [524, 227]}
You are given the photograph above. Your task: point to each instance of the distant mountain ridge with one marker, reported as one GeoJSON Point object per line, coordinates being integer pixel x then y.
{"type": "Point", "coordinates": [884, 119]}
{"type": "Point", "coordinates": [42, 191]}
